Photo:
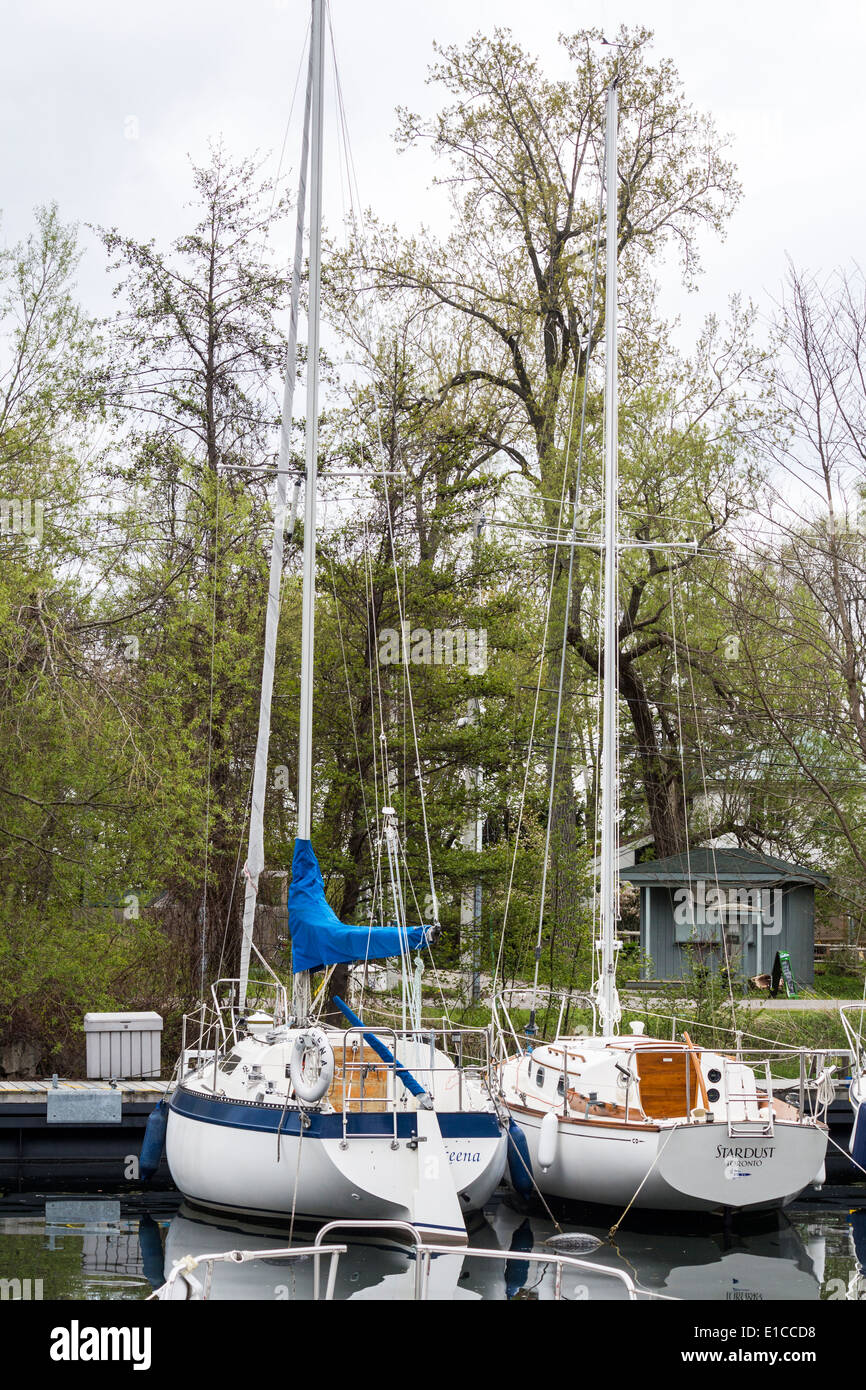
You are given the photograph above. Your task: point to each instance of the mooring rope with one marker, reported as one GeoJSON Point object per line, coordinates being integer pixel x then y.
{"type": "Point", "coordinates": [616, 1225]}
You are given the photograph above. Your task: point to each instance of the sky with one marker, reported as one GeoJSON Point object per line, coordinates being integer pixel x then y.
{"type": "Point", "coordinates": [102, 103]}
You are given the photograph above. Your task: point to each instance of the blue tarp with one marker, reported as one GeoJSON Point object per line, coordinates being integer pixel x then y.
{"type": "Point", "coordinates": [319, 938]}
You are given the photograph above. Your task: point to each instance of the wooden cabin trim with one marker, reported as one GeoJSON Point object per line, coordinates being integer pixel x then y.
{"type": "Point", "coordinates": [595, 1123]}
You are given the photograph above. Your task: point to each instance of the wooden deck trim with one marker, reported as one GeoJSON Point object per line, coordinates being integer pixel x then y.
{"type": "Point", "coordinates": [563, 1052]}
{"type": "Point", "coordinates": [595, 1122]}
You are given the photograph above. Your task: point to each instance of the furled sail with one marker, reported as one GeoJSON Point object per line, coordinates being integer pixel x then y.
{"type": "Point", "coordinates": [319, 938]}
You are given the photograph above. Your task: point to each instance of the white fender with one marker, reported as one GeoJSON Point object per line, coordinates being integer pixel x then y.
{"type": "Point", "coordinates": [548, 1139]}
{"type": "Point", "coordinates": [313, 1040]}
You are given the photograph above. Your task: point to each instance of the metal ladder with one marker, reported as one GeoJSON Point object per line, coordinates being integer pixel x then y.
{"type": "Point", "coordinates": [761, 1124]}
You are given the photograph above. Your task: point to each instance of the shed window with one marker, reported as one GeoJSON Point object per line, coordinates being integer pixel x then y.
{"type": "Point", "coordinates": [700, 917]}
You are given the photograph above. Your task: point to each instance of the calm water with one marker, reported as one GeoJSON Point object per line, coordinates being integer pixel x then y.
{"type": "Point", "coordinates": [117, 1248]}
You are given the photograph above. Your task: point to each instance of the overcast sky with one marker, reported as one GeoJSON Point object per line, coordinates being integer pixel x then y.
{"type": "Point", "coordinates": [101, 102]}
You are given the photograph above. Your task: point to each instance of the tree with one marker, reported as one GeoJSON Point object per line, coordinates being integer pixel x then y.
{"type": "Point", "coordinates": [398, 576]}
{"type": "Point", "coordinates": [69, 941]}
{"type": "Point", "coordinates": [511, 285]}
{"type": "Point", "coordinates": [197, 349]}
{"type": "Point", "coordinates": [47, 377]}
{"type": "Point", "coordinates": [797, 601]}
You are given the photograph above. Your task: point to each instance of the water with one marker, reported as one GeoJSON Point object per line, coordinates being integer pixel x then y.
{"type": "Point", "coordinates": [120, 1247]}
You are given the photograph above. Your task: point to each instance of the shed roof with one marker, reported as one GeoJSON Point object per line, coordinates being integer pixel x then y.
{"type": "Point", "coordinates": [726, 865]}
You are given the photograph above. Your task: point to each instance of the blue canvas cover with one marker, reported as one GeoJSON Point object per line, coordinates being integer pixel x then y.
{"type": "Point", "coordinates": [319, 938]}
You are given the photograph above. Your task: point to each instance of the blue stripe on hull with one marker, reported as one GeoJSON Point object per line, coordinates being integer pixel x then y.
{"type": "Point", "coordinates": [453, 1124]}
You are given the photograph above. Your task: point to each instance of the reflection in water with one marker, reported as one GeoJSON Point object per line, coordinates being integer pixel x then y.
{"type": "Point", "coordinates": [117, 1249]}
{"type": "Point", "coordinates": [770, 1262]}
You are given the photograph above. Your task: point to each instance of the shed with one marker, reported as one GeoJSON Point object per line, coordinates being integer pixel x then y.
{"type": "Point", "coordinates": [762, 904]}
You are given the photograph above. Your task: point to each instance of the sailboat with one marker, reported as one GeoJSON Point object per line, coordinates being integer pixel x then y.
{"type": "Point", "coordinates": [280, 1117]}
{"type": "Point", "coordinates": [621, 1118]}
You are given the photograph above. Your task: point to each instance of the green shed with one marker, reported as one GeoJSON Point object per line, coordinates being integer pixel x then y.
{"type": "Point", "coordinates": [763, 905]}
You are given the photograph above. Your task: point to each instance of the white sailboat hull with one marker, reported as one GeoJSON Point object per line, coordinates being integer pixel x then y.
{"type": "Point", "coordinates": [225, 1156]}
{"type": "Point", "coordinates": [688, 1167]}
{"type": "Point", "coordinates": [626, 1120]}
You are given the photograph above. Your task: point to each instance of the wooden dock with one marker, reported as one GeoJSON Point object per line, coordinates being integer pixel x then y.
{"type": "Point", "coordinates": [69, 1134]}
{"type": "Point", "coordinates": [23, 1089]}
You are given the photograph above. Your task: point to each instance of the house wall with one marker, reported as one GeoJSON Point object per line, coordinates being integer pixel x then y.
{"type": "Point", "coordinates": [671, 960]}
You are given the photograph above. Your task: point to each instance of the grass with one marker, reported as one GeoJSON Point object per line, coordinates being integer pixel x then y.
{"type": "Point", "coordinates": [831, 982]}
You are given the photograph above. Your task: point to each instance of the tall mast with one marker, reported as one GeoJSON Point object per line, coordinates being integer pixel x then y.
{"type": "Point", "coordinates": [255, 851]}
{"type": "Point", "coordinates": [301, 978]}
{"type": "Point", "coordinates": [305, 737]}
{"type": "Point", "coordinates": [608, 998]}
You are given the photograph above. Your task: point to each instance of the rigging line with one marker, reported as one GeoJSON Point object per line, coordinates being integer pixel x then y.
{"type": "Point", "coordinates": [846, 1154]}
{"type": "Point", "coordinates": [568, 588]}
{"type": "Point", "coordinates": [404, 645]}
{"type": "Point", "coordinates": [720, 1028]}
{"type": "Point", "coordinates": [529, 751]}
{"type": "Point", "coordinates": [357, 222]}
{"type": "Point", "coordinates": [615, 1227]}
{"type": "Point", "coordinates": [349, 703]}
{"type": "Point", "coordinates": [373, 654]}
{"type": "Point", "coordinates": [405, 591]}
{"type": "Point", "coordinates": [596, 844]}
{"type": "Point", "coordinates": [712, 847]}
{"type": "Point", "coordinates": [291, 113]}
{"type": "Point", "coordinates": [680, 726]}
{"type": "Point", "coordinates": [522, 805]}
{"type": "Point", "coordinates": [302, 1116]}
{"type": "Point", "coordinates": [410, 881]}
{"type": "Point", "coordinates": [406, 676]}
{"type": "Point", "coordinates": [527, 1167]}
{"type": "Point", "coordinates": [336, 97]}
{"type": "Point", "coordinates": [247, 803]}
{"type": "Point", "coordinates": [384, 760]}
{"type": "Point", "coordinates": [203, 936]}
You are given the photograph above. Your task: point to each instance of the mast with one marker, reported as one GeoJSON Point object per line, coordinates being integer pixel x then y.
{"type": "Point", "coordinates": [305, 735]}
{"type": "Point", "coordinates": [255, 860]}
{"type": "Point", "coordinates": [608, 998]}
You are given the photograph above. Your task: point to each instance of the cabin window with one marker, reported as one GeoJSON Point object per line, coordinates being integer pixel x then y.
{"type": "Point", "coordinates": [539, 1077]}
{"type": "Point", "coordinates": [560, 1085]}
{"type": "Point", "coordinates": [230, 1063]}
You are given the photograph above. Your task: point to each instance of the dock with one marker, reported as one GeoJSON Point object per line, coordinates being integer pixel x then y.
{"type": "Point", "coordinates": [62, 1134]}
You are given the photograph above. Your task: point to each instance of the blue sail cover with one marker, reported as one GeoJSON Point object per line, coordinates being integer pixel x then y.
{"type": "Point", "coordinates": [319, 938]}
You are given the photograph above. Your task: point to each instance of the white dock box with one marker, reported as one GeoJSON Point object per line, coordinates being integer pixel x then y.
{"type": "Point", "coordinates": [126, 1045]}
